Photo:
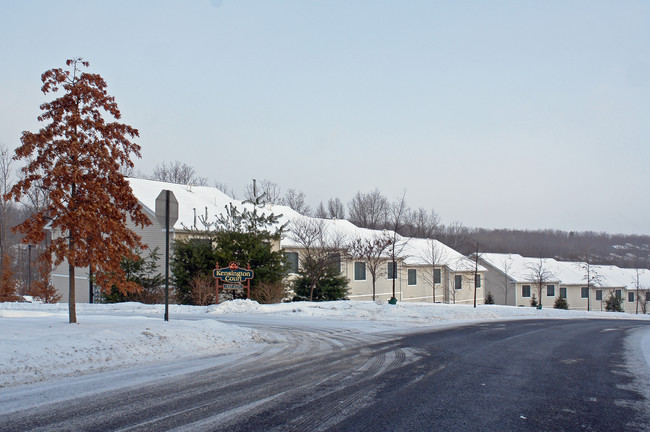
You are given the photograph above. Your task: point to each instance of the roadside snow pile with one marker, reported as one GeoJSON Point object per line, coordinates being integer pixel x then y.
{"type": "Point", "coordinates": [235, 306]}
{"type": "Point", "coordinates": [37, 345]}
{"type": "Point", "coordinates": [408, 313]}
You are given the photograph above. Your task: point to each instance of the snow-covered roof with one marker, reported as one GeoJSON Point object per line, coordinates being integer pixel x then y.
{"type": "Point", "coordinates": [616, 277]}
{"type": "Point", "coordinates": [201, 199]}
{"type": "Point", "coordinates": [418, 251]}
{"type": "Point", "coordinates": [568, 272]}
{"type": "Point", "coordinates": [521, 268]}
{"type": "Point", "coordinates": [195, 202]}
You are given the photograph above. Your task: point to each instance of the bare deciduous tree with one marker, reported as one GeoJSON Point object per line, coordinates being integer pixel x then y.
{"type": "Point", "coordinates": [396, 216]}
{"type": "Point", "coordinates": [539, 275]}
{"type": "Point", "coordinates": [456, 236]}
{"type": "Point", "coordinates": [179, 173]}
{"type": "Point", "coordinates": [369, 210]}
{"type": "Point", "coordinates": [590, 274]}
{"type": "Point", "coordinates": [641, 300]}
{"type": "Point", "coordinates": [506, 278]}
{"type": "Point", "coordinates": [318, 244]}
{"type": "Point", "coordinates": [223, 187]}
{"type": "Point", "coordinates": [433, 254]}
{"type": "Point", "coordinates": [320, 212]}
{"type": "Point", "coordinates": [422, 224]}
{"type": "Point", "coordinates": [335, 209]}
{"type": "Point", "coordinates": [296, 200]}
{"type": "Point", "coordinates": [262, 192]}
{"type": "Point", "coordinates": [372, 251]}
{"type": "Point", "coordinates": [6, 183]}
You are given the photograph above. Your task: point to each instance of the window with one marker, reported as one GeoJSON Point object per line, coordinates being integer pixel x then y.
{"type": "Point", "coordinates": [584, 292]}
{"type": "Point", "coordinates": [647, 296]}
{"type": "Point", "coordinates": [525, 290]}
{"type": "Point", "coordinates": [619, 294]}
{"type": "Point", "coordinates": [630, 297]}
{"type": "Point", "coordinates": [359, 271]}
{"type": "Point", "coordinates": [550, 290]}
{"type": "Point", "coordinates": [477, 281]}
{"type": "Point", "coordinates": [458, 282]}
{"type": "Point", "coordinates": [436, 276]}
{"type": "Point", "coordinates": [334, 261]}
{"type": "Point", "coordinates": [391, 271]}
{"type": "Point", "coordinates": [413, 277]}
{"type": "Point", "coordinates": [563, 292]}
{"type": "Point", "coordinates": [599, 295]}
{"type": "Point", "coordinates": [292, 261]}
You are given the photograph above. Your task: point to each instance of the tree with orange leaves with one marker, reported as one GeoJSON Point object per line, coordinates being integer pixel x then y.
{"type": "Point", "coordinates": [77, 158]}
{"type": "Point", "coordinates": [42, 289]}
{"type": "Point", "coordinates": [8, 284]}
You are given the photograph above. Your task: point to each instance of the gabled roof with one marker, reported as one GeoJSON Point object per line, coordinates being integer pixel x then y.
{"type": "Point", "coordinates": [568, 272]}
{"type": "Point", "coordinates": [616, 277]}
{"type": "Point", "coordinates": [521, 268]}
{"type": "Point", "coordinates": [195, 202]}
{"type": "Point", "coordinates": [201, 199]}
{"type": "Point", "coordinates": [418, 251]}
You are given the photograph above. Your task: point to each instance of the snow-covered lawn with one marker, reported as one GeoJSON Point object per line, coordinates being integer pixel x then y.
{"type": "Point", "coordinates": [37, 343]}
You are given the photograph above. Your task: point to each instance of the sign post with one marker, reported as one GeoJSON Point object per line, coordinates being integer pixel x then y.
{"type": "Point", "coordinates": [167, 215]}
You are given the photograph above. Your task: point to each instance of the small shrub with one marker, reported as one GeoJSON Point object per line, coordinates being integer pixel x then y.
{"type": "Point", "coordinates": [614, 303]}
{"type": "Point", "coordinates": [203, 291]}
{"type": "Point", "coordinates": [533, 301]}
{"type": "Point", "coordinates": [269, 292]}
{"type": "Point", "coordinates": [560, 303]}
{"type": "Point", "coordinates": [489, 299]}
{"type": "Point", "coordinates": [330, 287]}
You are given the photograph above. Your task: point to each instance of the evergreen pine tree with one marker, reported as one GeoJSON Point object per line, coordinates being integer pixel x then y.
{"type": "Point", "coordinates": [243, 236]}
{"type": "Point", "coordinates": [145, 273]}
{"type": "Point", "coordinates": [533, 301]}
{"type": "Point", "coordinates": [614, 303]}
{"type": "Point", "coordinates": [560, 303]}
{"type": "Point", "coordinates": [489, 299]}
{"type": "Point", "coordinates": [332, 286]}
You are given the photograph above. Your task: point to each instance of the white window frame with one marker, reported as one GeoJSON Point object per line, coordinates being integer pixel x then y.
{"type": "Point", "coordinates": [365, 271]}
{"type": "Point", "coordinates": [408, 277]}
{"type": "Point", "coordinates": [552, 287]}
{"type": "Point", "coordinates": [388, 266]}
{"type": "Point", "coordinates": [290, 271]}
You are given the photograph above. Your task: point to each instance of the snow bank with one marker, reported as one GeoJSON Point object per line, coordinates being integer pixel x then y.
{"type": "Point", "coordinates": [37, 343]}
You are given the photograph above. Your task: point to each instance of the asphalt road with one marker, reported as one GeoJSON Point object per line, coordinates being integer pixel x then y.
{"type": "Point", "coordinates": [545, 375]}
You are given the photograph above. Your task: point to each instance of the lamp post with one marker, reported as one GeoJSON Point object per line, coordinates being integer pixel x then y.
{"type": "Point", "coordinates": [29, 268]}
{"type": "Point", "coordinates": [475, 270]}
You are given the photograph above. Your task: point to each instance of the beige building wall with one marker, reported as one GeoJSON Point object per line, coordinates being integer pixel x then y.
{"type": "Point", "coordinates": [362, 289]}
{"type": "Point", "coordinates": [152, 236]}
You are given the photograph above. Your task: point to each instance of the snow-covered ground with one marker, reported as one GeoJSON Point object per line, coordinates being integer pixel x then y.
{"type": "Point", "coordinates": [37, 343]}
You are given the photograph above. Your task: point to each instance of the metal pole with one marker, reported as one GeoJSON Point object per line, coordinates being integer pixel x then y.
{"type": "Point", "coordinates": [476, 274]}
{"type": "Point", "coordinates": [248, 283]}
{"type": "Point", "coordinates": [91, 294]}
{"type": "Point", "coordinates": [29, 269]}
{"type": "Point", "coordinates": [167, 255]}
{"type": "Point", "coordinates": [217, 280]}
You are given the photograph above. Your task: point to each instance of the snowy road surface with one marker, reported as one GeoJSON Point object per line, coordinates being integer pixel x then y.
{"type": "Point", "coordinates": [332, 373]}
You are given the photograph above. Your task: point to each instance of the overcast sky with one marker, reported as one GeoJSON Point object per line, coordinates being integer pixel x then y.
{"type": "Point", "coordinates": [497, 114]}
